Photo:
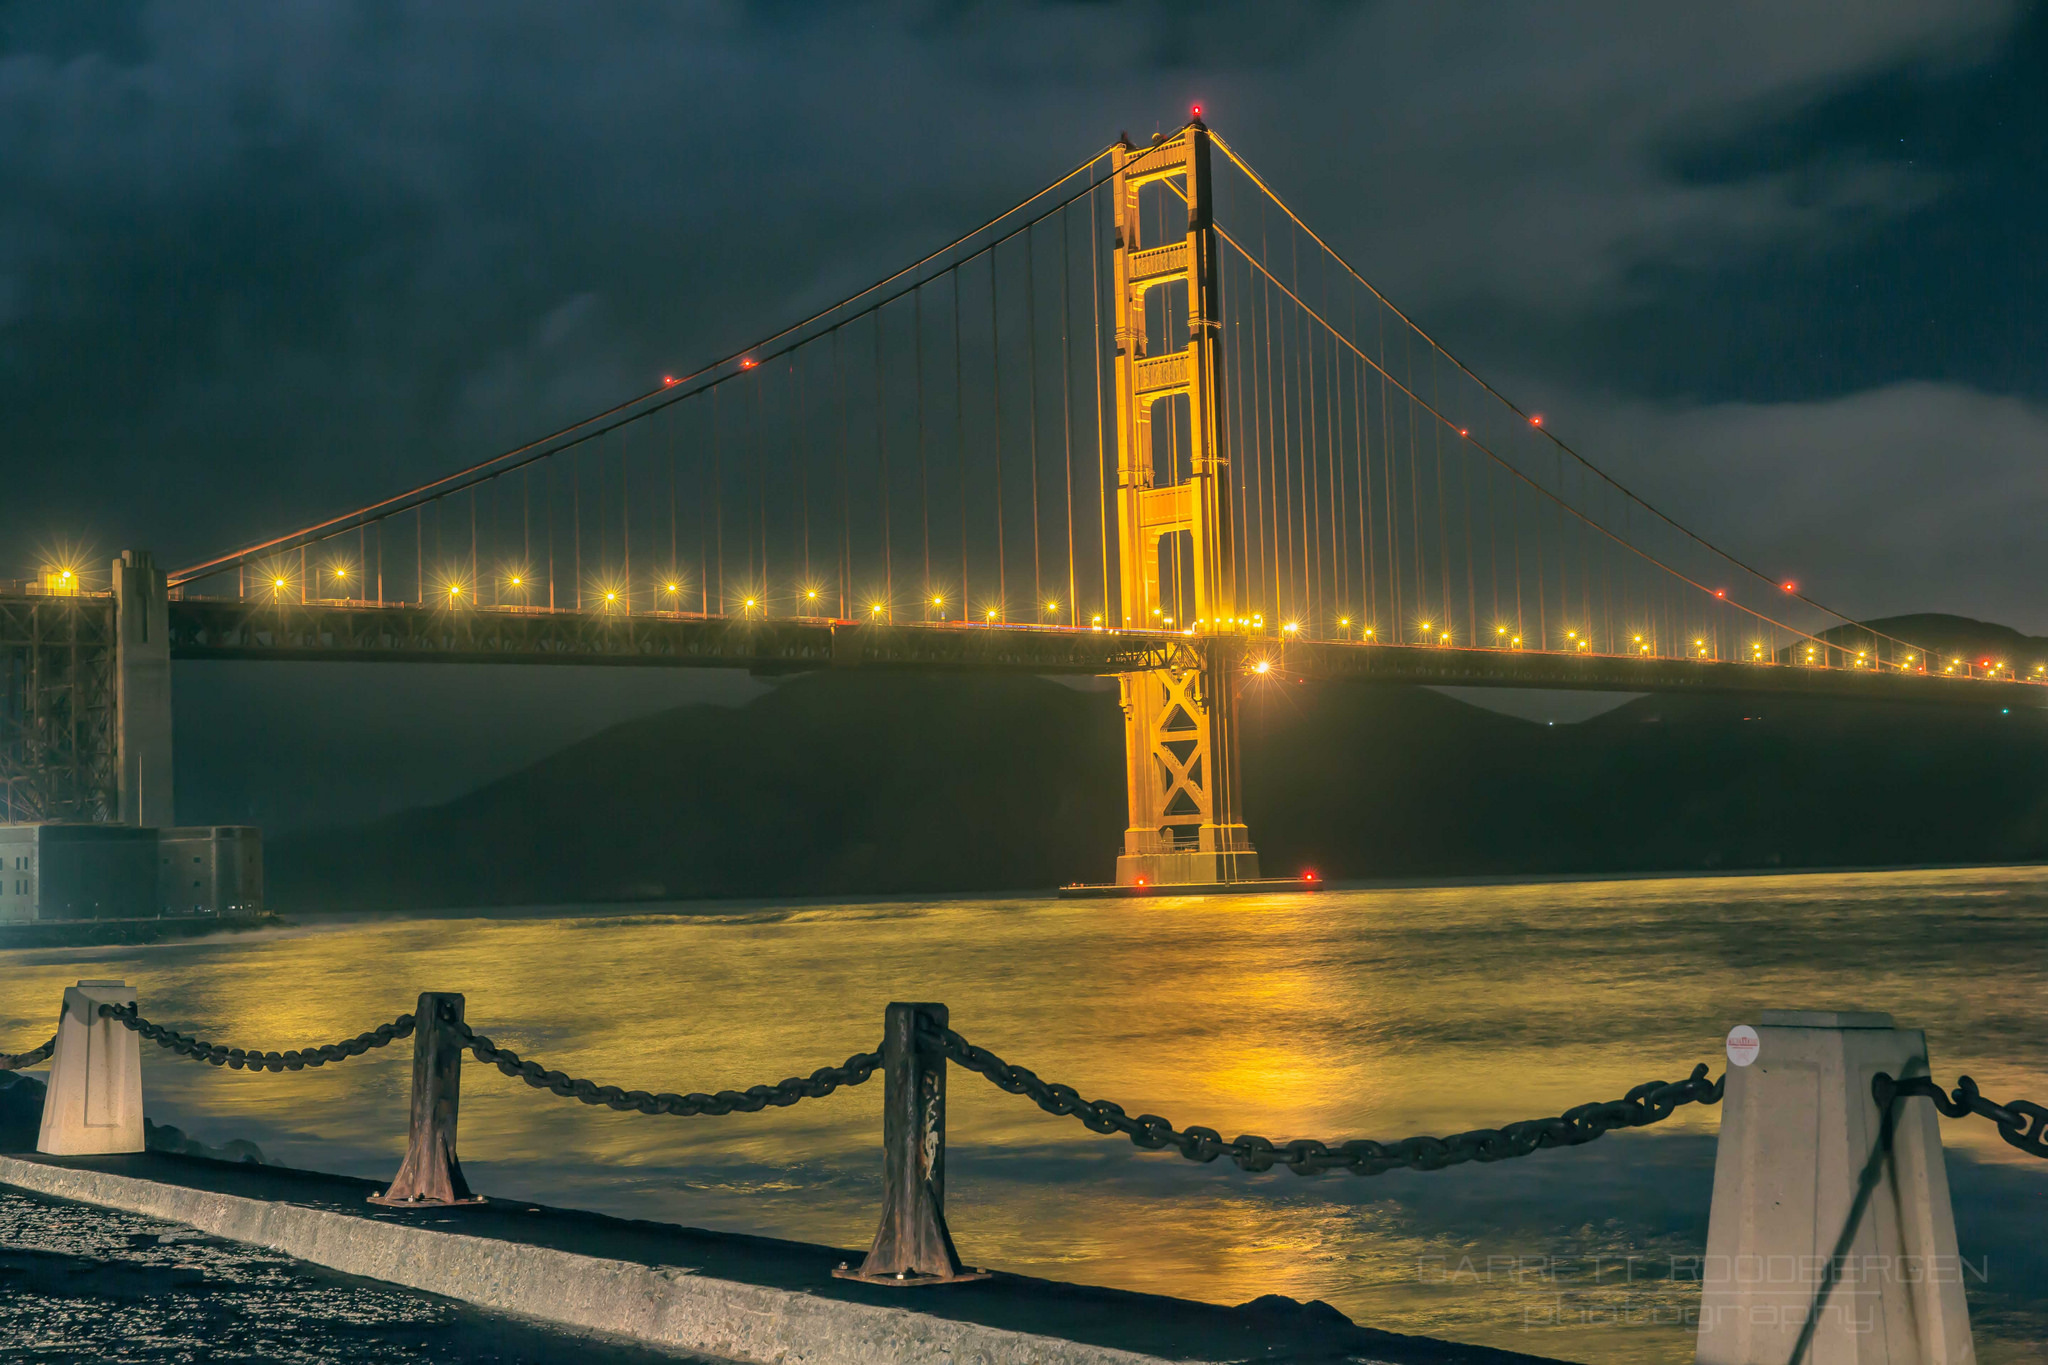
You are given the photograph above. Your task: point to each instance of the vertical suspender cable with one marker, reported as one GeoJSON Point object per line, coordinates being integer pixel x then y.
{"type": "Point", "coordinates": [1067, 399]}
{"type": "Point", "coordinates": [882, 463]}
{"type": "Point", "coordinates": [798, 451]}
{"type": "Point", "coordinates": [761, 576]}
{"type": "Point", "coordinates": [1031, 370]}
{"type": "Point", "coordinates": [718, 494]}
{"type": "Point", "coordinates": [924, 500]}
{"type": "Point", "coordinates": [673, 424]}
{"type": "Point", "coordinates": [1109, 616]}
{"type": "Point", "coordinates": [1443, 520]}
{"type": "Point", "coordinates": [1394, 628]}
{"type": "Point", "coordinates": [960, 436]}
{"type": "Point", "coordinates": [995, 336]}
{"type": "Point", "coordinates": [845, 493]}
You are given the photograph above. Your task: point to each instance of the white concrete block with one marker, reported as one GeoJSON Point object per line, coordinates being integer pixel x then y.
{"type": "Point", "coordinates": [94, 1103]}
{"type": "Point", "coordinates": [1823, 1247]}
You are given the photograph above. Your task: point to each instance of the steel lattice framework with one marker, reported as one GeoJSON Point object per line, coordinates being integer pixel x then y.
{"type": "Point", "coordinates": [57, 708]}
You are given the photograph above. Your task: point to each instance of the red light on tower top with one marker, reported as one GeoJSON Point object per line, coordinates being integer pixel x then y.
{"type": "Point", "coordinates": [1198, 111]}
{"type": "Point", "coordinates": [667, 380]}
{"type": "Point", "coordinates": [748, 363]}
{"type": "Point", "coordinates": [1536, 420]}
{"type": "Point", "coordinates": [1789, 585]}
{"type": "Point", "coordinates": [1720, 592]}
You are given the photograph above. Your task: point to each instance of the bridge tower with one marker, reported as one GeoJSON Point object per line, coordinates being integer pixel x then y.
{"type": "Point", "coordinates": [1176, 546]}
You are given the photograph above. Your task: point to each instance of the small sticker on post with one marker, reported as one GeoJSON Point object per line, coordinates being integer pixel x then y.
{"type": "Point", "coordinates": [1742, 1045]}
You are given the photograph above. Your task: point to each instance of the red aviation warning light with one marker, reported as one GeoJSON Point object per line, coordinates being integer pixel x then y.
{"type": "Point", "coordinates": [1197, 111]}
{"type": "Point", "coordinates": [1720, 592]}
{"type": "Point", "coordinates": [667, 380]}
{"type": "Point", "coordinates": [1536, 420]}
{"type": "Point", "coordinates": [1788, 585]}
{"type": "Point", "coordinates": [748, 363]}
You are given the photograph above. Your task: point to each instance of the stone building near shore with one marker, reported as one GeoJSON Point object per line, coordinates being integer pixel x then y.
{"type": "Point", "coordinates": [69, 871]}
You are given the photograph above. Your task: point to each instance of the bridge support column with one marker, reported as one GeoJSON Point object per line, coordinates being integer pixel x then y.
{"type": "Point", "coordinates": [142, 691]}
{"type": "Point", "coordinates": [1180, 733]}
{"type": "Point", "coordinates": [1175, 537]}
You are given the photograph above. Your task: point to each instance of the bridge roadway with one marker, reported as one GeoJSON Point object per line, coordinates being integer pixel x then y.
{"type": "Point", "coordinates": [203, 628]}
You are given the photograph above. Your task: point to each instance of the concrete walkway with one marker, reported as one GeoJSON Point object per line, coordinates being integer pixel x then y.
{"type": "Point", "coordinates": [715, 1294]}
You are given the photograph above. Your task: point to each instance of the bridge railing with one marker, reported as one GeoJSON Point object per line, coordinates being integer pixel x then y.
{"type": "Point", "coordinates": [1865, 1159]}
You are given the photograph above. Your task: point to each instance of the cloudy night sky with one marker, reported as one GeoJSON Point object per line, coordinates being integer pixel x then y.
{"type": "Point", "coordinates": [1777, 266]}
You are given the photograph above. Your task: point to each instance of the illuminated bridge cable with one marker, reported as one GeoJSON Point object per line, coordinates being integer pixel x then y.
{"type": "Point", "coordinates": [1546, 432]}
{"type": "Point", "coordinates": [1554, 496]}
{"type": "Point", "coordinates": [668, 392]}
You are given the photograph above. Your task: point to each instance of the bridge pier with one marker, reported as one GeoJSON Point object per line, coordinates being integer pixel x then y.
{"type": "Point", "coordinates": [1180, 730]}
{"type": "Point", "coordinates": [142, 692]}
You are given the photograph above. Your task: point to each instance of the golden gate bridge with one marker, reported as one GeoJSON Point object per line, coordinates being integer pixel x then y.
{"type": "Point", "coordinates": [1145, 423]}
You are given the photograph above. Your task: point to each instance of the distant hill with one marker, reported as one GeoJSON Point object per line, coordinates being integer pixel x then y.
{"type": "Point", "coordinates": [1942, 637]}
{"type": "Point", "coordinates": [846, 783]}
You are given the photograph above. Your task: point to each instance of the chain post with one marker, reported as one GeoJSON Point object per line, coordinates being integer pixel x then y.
{"type": "Point", "coordinates": [431, 1176]}
{"type": "Point", "coordinates": [912, 1245]}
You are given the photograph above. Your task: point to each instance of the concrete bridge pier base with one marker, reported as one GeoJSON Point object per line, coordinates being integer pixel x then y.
{"type": "Point", "coordinates": [94, 1103]}
{"type": "Point", "coordinates": [1831, 1240]}
{"type": "Point", "coordinates": [142, 691]}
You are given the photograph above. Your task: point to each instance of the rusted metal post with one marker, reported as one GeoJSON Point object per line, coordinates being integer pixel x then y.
{"type": "Point", "coordinates": [431, 1176]}
{"type": "Point", "coordinates": [912, 1245]}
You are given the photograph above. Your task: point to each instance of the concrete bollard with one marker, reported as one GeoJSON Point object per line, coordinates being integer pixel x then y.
{"type": "Point", "coordinates": [1831, 1240]}
{"type": "Point", "coordinates": [913, 1245]}
{"type": "Point", "coordinates": [94, 1103]}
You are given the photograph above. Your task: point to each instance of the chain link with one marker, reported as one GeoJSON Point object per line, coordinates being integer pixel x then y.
{"type": "Point", "coordinates": [2022, 1123]}
{"type": "Point", "coordinates": [21, 1061]}
{"type": "Point", "coordinates": [781, 1095]}
{"type": "Point", "coordinates": [1648, 1103]}
{"type": "Point", "coordinates": [237, 1059]}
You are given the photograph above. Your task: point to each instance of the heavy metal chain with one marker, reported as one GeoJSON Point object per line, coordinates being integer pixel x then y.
{"type": "Point", "coordinates": [1648, 1103]}
{"type": "Point", "coordinates": [237, 1058]}
{"type": "Point", "coordinates": [20, 1061]}
{"type": "Point", "coordinates": [781, 1095]}
{"type": "Point", "coordinates": [2022, 1123]}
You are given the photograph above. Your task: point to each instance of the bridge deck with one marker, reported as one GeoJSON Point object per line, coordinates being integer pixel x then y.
{"type": "Point", "coordinates": [405, 633]}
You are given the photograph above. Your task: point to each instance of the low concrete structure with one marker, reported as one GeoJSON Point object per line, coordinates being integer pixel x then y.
{"type": "Point", "coordinates": [1831, 1239]}
{"type": "Point", "coordinates": [76, 870]}
{"type": "Point", "coordinates": [210, 870]}
{"type": "Point", "coordinates": [63, 871]}
{"type": "Point", "coordinates": [716, 1294]}
{"type": "Point", "coordinates": [94, 1103]}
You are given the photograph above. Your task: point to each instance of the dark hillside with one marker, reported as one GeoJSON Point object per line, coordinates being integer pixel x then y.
{"type": "Point", "coordinates": [849, 783]}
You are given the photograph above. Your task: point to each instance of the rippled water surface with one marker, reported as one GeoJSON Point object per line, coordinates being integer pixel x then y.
{"type": "Point", "coordinates": [1369, 1013]}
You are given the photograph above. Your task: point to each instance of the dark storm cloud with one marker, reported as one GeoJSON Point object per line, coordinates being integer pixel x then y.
{"type": "Point", "coordinates": [261, 261]}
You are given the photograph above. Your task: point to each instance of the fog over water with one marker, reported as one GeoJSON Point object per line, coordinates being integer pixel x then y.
{"type": "Point", "coordinates": [1353, 1013]}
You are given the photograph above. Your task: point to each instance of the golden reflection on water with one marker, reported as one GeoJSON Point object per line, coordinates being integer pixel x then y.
{"type": "Point", "coordinates": [1347, 1013]}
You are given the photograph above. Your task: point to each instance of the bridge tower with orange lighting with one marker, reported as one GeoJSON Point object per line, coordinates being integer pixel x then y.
{"type": "Point", "coordinates": [1176, 546]}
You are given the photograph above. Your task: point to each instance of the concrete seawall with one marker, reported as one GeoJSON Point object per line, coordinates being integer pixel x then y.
{"type": "Point", "coordinates": [710, 1294]}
